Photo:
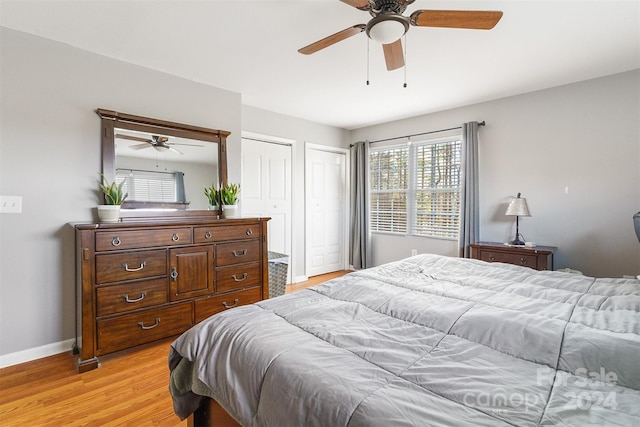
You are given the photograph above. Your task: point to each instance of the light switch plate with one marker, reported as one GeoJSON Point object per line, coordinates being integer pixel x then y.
{"type": "Point", "coordinates": [10, 204]}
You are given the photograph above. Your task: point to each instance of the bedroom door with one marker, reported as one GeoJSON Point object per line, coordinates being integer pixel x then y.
{"type": "Point", "coordinates": [326, 209]}
{"type": "Point", "coordinates": [266, 190]}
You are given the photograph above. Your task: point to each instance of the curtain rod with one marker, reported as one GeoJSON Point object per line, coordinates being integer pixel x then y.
{"type": "Point", "coordinates": [482, 123]}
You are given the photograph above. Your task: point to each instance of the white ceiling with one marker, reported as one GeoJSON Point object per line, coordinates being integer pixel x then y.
{"type": "Point", "coordinates": [250, 47]}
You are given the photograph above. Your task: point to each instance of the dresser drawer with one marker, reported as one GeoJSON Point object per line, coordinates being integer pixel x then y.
{"type": "Point", "coordinates": [130, 265]}
{"type": "Point", "coordinates": [209, 306]}
{"type": "Point", "coordinates": [142, 327]}
{"type": "Point", "coordinates": [230, 232]}
{"type": "Point", "coordinates": [132, 296]}
{"type": "Point", "coordinates": [237, 252]}
{"type": "Point", "coordinates": [510, 258]}
{"type": "Point", "coordinates": [134, 239]}
{"type": "Point", "coordinates": [238, 276]}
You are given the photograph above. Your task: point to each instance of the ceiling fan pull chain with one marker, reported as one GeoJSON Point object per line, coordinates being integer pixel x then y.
{"type": "Point", "coordinates": [405, 60]}
{"type": "Point", "coordinates": [367, 61]}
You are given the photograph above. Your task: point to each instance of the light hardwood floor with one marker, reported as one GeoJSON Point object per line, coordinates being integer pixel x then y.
{"type": "Point", "coordinates": [129, 389]}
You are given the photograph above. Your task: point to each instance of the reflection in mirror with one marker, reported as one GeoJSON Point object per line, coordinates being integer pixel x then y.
{"type": "Point", "coordinates": [165, 169]}
{"type": "Point", "coordinates": [165, 165]}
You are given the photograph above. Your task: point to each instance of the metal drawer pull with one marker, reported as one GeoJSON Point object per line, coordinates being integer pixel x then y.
{"type": "Point", "coordinates": [249, 232]}
{"type": "Point", "coordinates": [207, 235]}
{"type": "Point", "coordinates": [235, 303]}
{"type": "Point", "coordinates": [492, 258]}
{"type": "Point", "coordinates": [174, 273]}
{"type": "Point", "coordinates": [116, 241]}
{"type": "Point", "coordinates": [175, 237]}
{"type": "Point", "coordinates": [244, 277]}
{"type": "Point", "coordinates": [523, 261]}
{"type": "Point", "coordinates": [126, 298]}
{"type": "Point", "coordinates": [144, 328]}
{"type": "Point", "coordinates": [239, 254]}
{"type": "Point", "coordinates": [126, 266]}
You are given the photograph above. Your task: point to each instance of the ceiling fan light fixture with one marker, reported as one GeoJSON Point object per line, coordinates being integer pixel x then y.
{"type": "Point", "coordinates": [386, 29]}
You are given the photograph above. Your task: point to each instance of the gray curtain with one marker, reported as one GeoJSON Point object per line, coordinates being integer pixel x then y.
{"type": "Point", "coordinates": [180, 193]}
{"type": "Point", "coordinates": [360, 251]}
{"type": "Point", "coordinates": [469, 203]}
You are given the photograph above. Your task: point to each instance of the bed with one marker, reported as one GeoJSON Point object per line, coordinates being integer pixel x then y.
{"type": "Point", "coordinates": [429, 340]}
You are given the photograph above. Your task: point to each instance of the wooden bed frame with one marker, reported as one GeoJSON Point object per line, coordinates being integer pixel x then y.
{"type": "Point", "coordinates": [211, 414]}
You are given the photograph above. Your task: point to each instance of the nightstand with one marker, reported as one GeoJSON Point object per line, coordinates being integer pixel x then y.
{"type": "Point", "coordinates": [538, 257]}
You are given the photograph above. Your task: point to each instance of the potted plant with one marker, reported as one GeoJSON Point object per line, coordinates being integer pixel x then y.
{"type": "Point", "coordinates": [213, 195]}
{"type": "Point", "coordinates": [113, 198]}
{"type": "Point", "coordinates": [229, 199]}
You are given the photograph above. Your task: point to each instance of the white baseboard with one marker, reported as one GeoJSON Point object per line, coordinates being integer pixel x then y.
{"type": "Point", "coordinates": [300, 279]}
{"type": "Point", "coordinates": [36, 353]}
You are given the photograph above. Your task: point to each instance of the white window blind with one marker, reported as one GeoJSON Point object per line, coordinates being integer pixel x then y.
{"type": "Point", "coordinates": [148, 186]}
{"type": "Point", "coordinates": [437, 189]}
{"type": "Point", "coordinates": [389, 173]}
{"type": "Point", "coordinates": [415, 189]}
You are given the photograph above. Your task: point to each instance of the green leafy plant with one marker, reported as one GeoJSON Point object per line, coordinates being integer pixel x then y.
{"type": "Point", "coordinates": [113, 194]}
{"type": "Point", "coordinates": [229, 194]}
{"type": "Point", "coordinates": [212, 194]}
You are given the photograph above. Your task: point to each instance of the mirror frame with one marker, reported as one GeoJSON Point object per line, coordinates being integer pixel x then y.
{"type": "Point", "coordinates": [111, 120]}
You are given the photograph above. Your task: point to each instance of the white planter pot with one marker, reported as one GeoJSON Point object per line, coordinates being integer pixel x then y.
{"type": "Point", "coordinates": [109, 213]}
{"type": "Point", "coordinates": [229, 211]}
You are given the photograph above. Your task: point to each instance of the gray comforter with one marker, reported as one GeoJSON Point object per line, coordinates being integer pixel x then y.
{"type": "Point", "coordinates": [428, 340]}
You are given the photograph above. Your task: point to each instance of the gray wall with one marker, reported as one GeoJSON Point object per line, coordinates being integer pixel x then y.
{"type": "Point", "coordinates": [584, 136]}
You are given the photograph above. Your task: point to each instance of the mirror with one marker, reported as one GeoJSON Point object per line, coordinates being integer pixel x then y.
{"type": "Point", "coordinates": [165, 165]}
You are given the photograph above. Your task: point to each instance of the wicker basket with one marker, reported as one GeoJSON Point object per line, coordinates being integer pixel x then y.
{"type": "Point", "coordinates": [278, 266]}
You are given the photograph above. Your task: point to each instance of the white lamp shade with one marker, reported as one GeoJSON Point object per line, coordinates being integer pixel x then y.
{"type": "Point", "coordinates": [387, 31]}
{"type": "Point", "coordinates": [518, 207]}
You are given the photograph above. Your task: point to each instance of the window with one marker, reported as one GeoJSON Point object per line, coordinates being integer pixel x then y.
{"type": "Point", "coordinates": [415, 189]}
{"type": "Point", "coordinates": [151, 186]}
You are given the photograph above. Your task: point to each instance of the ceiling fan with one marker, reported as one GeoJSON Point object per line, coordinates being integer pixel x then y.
{"type": "Point", "coordinates": [388, 25]}
{"type": "Point", "coordinates": [160, 143]}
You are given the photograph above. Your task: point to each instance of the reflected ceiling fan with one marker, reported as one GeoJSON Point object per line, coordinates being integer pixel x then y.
{"type": "Point", "coordinates": [160, 143]}
{"type": "Point", "coordinates": [388, 25]}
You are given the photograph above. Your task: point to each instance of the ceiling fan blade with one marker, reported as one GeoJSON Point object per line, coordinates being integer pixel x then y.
{"type": "Point", "coordinates": [472, 19]}
{"type": "Point", "coordinates": [332, 39]}
{"type": "Point", "coordinates": [185, 145]}
{"type": "Point", "coordinates": [393, 55]}
{"type": "Point", "coordinates": [358, 4]}
{"type": "Point", "coordinates": [176, 150]}
{"type": "Point", "coordinates": [141, 146]}
{"type": "Point", "coordinates": [133, 138]}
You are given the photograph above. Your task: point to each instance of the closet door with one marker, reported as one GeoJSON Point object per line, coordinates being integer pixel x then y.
{"type": "Point", "coordinates": [266, 190]}
{"type": "Point", "coordinates": [326, 193]}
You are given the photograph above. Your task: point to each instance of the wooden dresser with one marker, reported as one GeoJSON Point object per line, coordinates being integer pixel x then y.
{"type": "Point", "coordinates": [537, 257]}
{"type": "Point", "coordinates": [140, 282]}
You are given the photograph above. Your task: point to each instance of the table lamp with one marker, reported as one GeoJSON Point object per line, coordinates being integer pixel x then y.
{"type": "Point", "coordinates": [518, 207]}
